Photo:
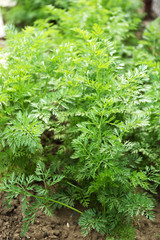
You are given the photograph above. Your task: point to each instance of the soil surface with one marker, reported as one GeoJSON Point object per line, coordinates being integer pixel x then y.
{"type": "Point", "coordinates": [62, 226]}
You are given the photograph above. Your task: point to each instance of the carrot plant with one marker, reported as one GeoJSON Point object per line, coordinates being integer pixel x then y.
{"type": "Point", "coordinates": [24, 83]}
{"type": "Point", "coordinates": [102, 107]}
{"type": "Point", "coordinates": [100, 113]}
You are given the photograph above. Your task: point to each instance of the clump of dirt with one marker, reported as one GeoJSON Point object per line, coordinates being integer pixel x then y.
{"type": "Point", "coordinates": [62, 226]}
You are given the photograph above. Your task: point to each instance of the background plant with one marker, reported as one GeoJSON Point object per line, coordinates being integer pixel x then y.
{"type": "Point", "coordinates": [26, 12]}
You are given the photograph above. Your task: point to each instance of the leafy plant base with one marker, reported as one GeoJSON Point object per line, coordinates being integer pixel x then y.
{"type": "Point", "coordinates": [63, 225]}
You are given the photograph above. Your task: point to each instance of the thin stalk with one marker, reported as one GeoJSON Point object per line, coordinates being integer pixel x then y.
{"type": "Point", "coordinates": [51, 200]}
{"type": "Point", "coordinates": [71, 184]}
{"type": "Point", "coordinates": [48, 199]}
{"type": "Point", "coordinates": [63, 204]}
{"type": "Point", "coordinates": [99, 130]}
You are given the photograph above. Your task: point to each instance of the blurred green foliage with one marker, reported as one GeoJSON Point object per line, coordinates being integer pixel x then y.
{"type": "Point", "coordinates": [26, 12]}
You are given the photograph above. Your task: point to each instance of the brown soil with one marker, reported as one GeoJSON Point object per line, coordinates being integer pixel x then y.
{"type": "Point", "coordinates": [147, 229]}
{"type": "Point", "coordinates": [62, 226]}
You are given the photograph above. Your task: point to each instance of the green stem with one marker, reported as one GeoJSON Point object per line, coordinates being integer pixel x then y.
{"type": "Point", "coordinates": [99, 131]}
{"type": "Point", "coordinates": [49, 199]}
{"type": "Point", "coordinates": [71, 184]}
{"type": "Point", "coordinates": [63, 204]}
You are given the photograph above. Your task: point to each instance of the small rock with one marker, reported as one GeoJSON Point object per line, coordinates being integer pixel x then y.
{"type": "Point", "coordinates": [68, 225]}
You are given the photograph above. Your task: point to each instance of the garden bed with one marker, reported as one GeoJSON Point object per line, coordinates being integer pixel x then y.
{"type": "Point", "coordinates": [63, 225]}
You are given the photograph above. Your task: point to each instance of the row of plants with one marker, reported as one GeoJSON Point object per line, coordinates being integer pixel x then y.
{"type": "Point", "coordinates": [26, 12]}
{"type": "Point", "coordinates": [79, 115]}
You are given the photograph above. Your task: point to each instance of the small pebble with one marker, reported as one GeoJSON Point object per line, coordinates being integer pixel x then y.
{"type": "Point", "coordinates": [68, 225]}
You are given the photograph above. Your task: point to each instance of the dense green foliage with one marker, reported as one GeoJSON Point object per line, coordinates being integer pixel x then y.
{"type": "Point", "coordinates": [26, 12]}
{"type": "Point", "coordinates": [82, 96]}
